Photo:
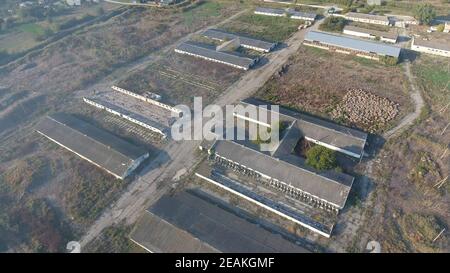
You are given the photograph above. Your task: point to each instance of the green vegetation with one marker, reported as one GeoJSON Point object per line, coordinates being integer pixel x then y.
{"type": "Point", "coordinates": [113, 239]}
{"type": "Point", "coordinates": [264, 27]}
{"type": "Point", "coordinates": [334, 24]}
{"type": "Point", "coordinates": [91, 193]}
{"type": "Point", "coordinates": [440, 28]}
{"type": "Point", "coordinates": [388, 60]}
{"type": "Point", "coordinates": [425, 13]}
{"type": "Point", "coordinates": [203, 10]}
{"type": "Point", "coordinates": [321, 158]}
{"type": "Point", "coordinates": [420, 230]}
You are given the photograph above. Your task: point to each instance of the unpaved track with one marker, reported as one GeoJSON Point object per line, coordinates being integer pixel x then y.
{"type": "Point", "coordinates": [157, 177]}
{"type": "Point", "coordinates": [419, 103]}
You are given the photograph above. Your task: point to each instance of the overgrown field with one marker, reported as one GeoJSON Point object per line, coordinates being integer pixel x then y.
{"type": "Point", "coordinates": [414, 178]}
{"type": "Point", "coordinates": [276, 29]}
{"type": "Point", "coordinates": [32, 168]}
{"type": "Point", "coordinates": [316, 81]}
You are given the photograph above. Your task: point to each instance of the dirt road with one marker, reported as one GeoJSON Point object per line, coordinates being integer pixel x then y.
{"type": "Point", "coordinates": [158, 176]}
{"type": "Point", "coordinates": [419, 103]}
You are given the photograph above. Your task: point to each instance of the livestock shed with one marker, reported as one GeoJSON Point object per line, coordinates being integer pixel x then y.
{"type": "Point", "coordinates": [436, 46]}
{"type": "Point", "coordinates": [112, 154]}
{"type": "Point", "coordinates": [270, 12]}
{"type": "Point", "coordinates": [328, 189]}
{"type": "Point", "coordinates": [347, 45]}
{"type": "Point", "coordinates": [211, 54]}
{"type": "Point", "coordinates": [129, 115]}
{"type": "Point", "coordinates": [244, 41]}
{"type": "Point", "coordinates": [336, 137]}
{"type": "Point", "coordinates": [196, 223]}
{"type": "Point", "coordinates": [368, 18]}
{"type": "Point", "coordinates": [384, 36]}
{"type": "Point", "coordinates": [300, 15]}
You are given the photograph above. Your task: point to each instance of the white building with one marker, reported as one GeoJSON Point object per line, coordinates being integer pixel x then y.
{"type": "Point", "coordinates": [388, 37]}
{"type": "Point", "coordinates": [73, 2]}
{"type": "Point", "coordinates": [367, 18]}
{"type": "Point", "coordinates": [374, 2]}
{"type": "Point", "coordinates": [440, 47]}
{"type": "Point", "coordinates": [270, 12]}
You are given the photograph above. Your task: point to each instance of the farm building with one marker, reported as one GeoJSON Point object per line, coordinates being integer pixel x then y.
{"type": "Point", "coordinates": [270, 12]}
{"type": "Point", "coordinates": [329, 189]}
{"type": "Point", "coordinates": [374, 2]}
{"type": "Point", "coordinates": [126, 114]}
{"type": "Point", "coordinates": [439, 46]}
{"type": "Point", "coordinates": [368, 18]}
{"type": "Point", "coordinates": [300, 15]}
{"type": "Point", "coordinates": [247, 42]}
{"type": "Point", "coordinates": [193, 222]}
{"type": "Point", "coordinates": [279, 208]}
{"type": "Point", "coordinates": [389, 37]}
{"type": "Point", "coordinates": [211, 54]}
{"type": "Point", "coordinates": [347, 45]}
{"type": "Point", "coordinates": [112, 154]}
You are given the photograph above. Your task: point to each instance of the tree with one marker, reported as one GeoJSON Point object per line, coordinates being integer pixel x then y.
{"type": "Point", "coordinates": [425, 13]}
{"type": "Point", "coordinates": [321, 158]}
{"type": "Point", "coordinates": [333, 23]}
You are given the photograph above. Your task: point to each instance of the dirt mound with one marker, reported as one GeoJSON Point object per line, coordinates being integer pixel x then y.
{"type": "Point", "coordinates": [365, 110]}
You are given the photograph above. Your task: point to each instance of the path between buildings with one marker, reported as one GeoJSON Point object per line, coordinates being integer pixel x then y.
{"type": "Point", "coordinates": [156, 178]}
{"type": "Point", "coordinates": [404, 124]}
{"type": "Point", "coordinates": [418, 101]}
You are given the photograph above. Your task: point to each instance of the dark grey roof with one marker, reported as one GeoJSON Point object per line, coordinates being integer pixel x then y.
{"type": "Point", "coordinates": [245, 41]}
{"type": "Point", "coordinates": [390, 35]}
{"type": "Point", "coordinates": [208, 52]}
{"type": "Point", "coordinates": [186, 222]}
{"type": "Point", "coordinates": [330, 186]}
{"type": "Point", "coordinates": [270, 10]}
{"type": "Point", "coordinates": [99, 146]}
{"type": "Point", "coordinates": [353, 44]}
{"type": "Point", "coordinates": [278, 206]}
{"type": "Point", "coordinates": [327, 132]}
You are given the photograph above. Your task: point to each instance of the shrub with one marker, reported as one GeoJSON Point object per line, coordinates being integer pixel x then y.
{"type": "Point", "coordinates": [333, 24]}
{"type": "Point", "coordinates": [388, 60]}
{"type": "Point", "coordinates": [321, 158]}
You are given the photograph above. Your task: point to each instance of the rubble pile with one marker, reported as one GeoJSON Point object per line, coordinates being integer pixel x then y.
{"type": "Point", "coordinates": [365, 109]}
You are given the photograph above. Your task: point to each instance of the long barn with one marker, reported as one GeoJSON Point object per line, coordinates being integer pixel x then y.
{"type": "Point", "coordinates": [110, 153]}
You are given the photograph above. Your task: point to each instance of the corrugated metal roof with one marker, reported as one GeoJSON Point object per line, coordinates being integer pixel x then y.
{"type": "Point", "coordinates": [245, 41]}
{"type": "Point", "coordinates": [208, 52]}
{"type": "Point", "coordinates": [302, 14]}
{"type": "Point", "coordinates": [353, 44]}
{"type": "Point", "coordinates": [385, 34]}
{"type": "Point", "coordinates": [327, 132]}
{"type": "Point", "coordinates": [367, 16]}
{"type": "Point", "coordinates": [330, 186]}
{"type": "Point", "coordinates": [270, 10]}
{"type": "Point", "coordinates": [189, 223]}
{"type": "Point", "coordinates": [101, 147]}
{"type": "Point", "coordinates": [436, 43]}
